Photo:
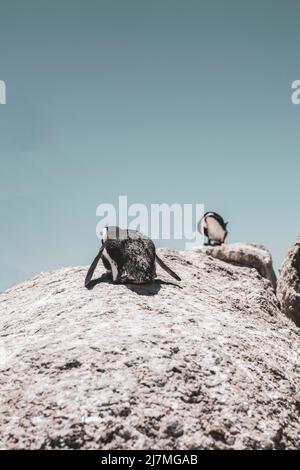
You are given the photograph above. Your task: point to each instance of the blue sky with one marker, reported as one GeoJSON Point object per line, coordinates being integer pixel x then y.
{"type": "Point", "coordinates": [164, 101]}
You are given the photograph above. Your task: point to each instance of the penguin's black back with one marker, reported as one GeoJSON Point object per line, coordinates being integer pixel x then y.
{"type": "Point", "coordinates": [133, 252]}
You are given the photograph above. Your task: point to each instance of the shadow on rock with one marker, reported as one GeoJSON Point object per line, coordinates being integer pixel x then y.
{"type": "Point", "coordinates": [150, 288]}
{"type": "Point", "coordinates": [106, 277]}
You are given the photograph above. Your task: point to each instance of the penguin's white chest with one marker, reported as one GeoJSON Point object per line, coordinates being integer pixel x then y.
{"type": "Point", "coordinates": [113, 265]}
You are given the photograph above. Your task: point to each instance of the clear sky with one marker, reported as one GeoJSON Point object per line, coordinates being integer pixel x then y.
{"type": "Point", "coordinates": [184, 101]}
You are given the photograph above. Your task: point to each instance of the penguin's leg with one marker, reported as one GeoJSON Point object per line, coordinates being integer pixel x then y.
{"type": "Point", "coordinates": [166, 268]}
{"type": "Point", "coordinates": [92, 268]}
{"type": "Point", "coordinates": [206, 235]}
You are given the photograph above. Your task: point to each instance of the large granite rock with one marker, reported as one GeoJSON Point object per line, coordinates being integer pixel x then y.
{"type": "Point", "coordinates": [245, 254]}
{"type": "Point", "coordinates": [289, 283]}
{"type": "Point", "coordinates": [208, 363]}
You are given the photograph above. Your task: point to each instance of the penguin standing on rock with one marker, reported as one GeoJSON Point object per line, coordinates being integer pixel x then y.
{"type": "Point", "coordinates": [212, 225]}
{"type": "Point", "coordinates": [129, 256]}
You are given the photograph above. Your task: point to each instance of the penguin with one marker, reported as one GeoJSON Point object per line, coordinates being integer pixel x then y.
{"type": "Point", "coordinates": [129, 256]}
{"type": "Point", "coordinates": [212, 225]}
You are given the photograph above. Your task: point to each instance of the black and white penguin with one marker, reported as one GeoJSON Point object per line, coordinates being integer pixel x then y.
{"type": "Point", "coordinates": [212, 225]}
{"type": "Point", "coordinates": [129, 256]}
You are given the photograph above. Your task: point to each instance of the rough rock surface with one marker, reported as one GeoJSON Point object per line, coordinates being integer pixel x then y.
{"type": "Point", "coordinates": [211, 364]}
{"type": "Point", "coordinates": [245, 254]}
{"type": "Point", "coordinates": [289, 283]}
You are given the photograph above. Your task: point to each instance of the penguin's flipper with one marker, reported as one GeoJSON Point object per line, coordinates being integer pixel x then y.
{"type": "Point", "coordinates": [166, 268]}
{"type": "Point", "coordinates": [92, 268]}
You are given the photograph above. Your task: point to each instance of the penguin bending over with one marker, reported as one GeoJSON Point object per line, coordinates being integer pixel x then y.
{"type": "Point", "coordinates": [212, 225]}
{"type": "Point", "coordinates": [129, 256]}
